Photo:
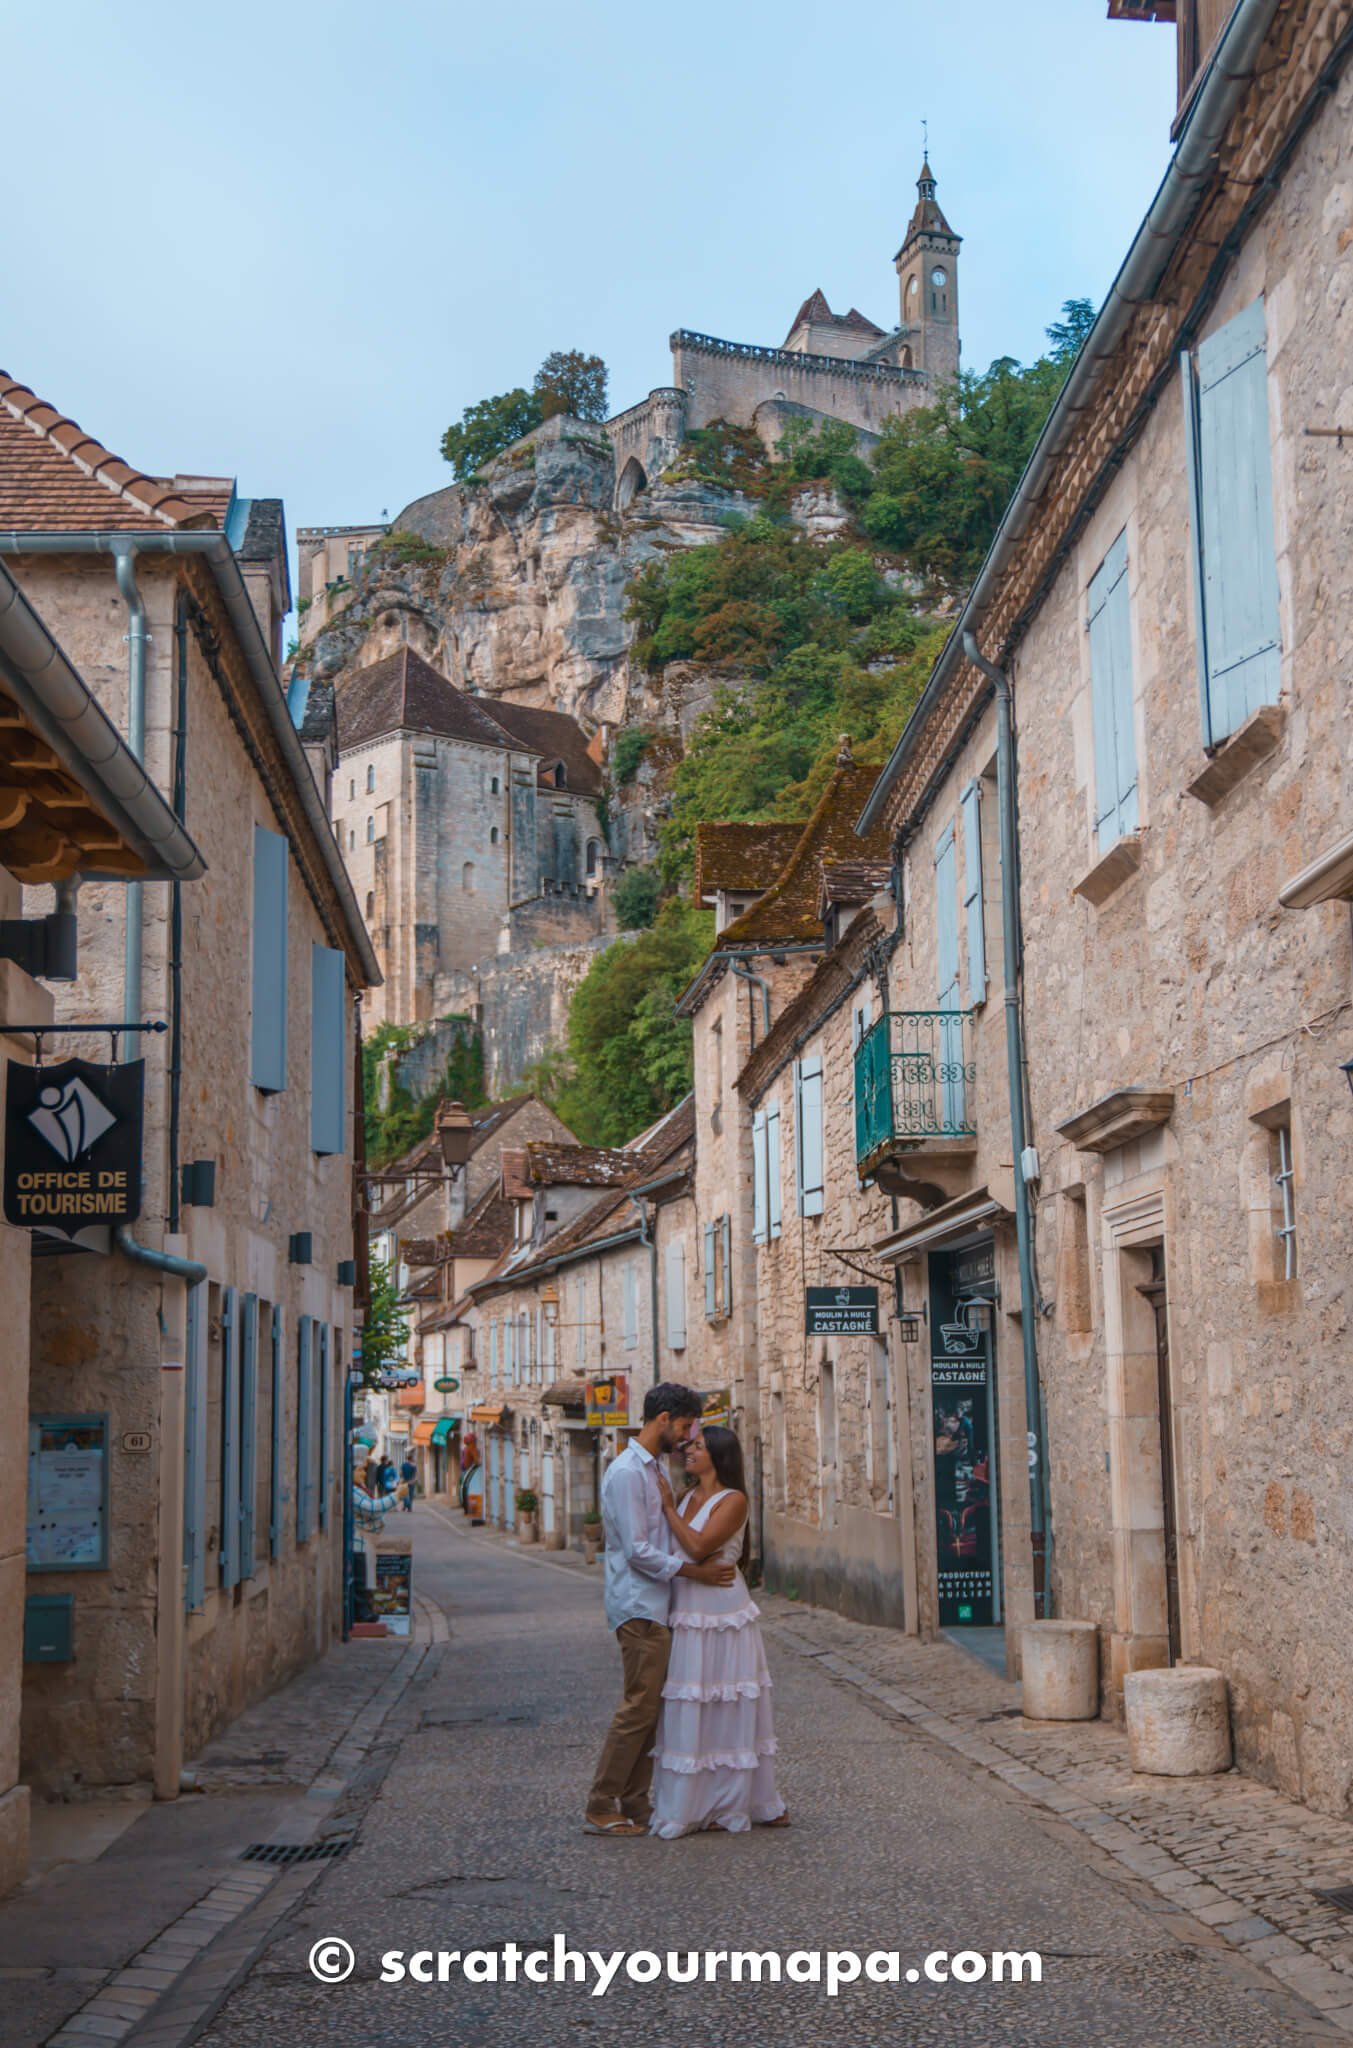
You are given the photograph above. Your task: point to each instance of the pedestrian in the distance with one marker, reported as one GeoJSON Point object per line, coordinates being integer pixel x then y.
{"type": "Point", "coordinates": [408, 1473]}
{"type": "Point", "coordinates": [388, 1476]}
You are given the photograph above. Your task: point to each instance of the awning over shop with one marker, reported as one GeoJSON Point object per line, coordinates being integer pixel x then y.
{"type": "Point", "coordinates": [365, 1436]}
{"type": "Point", "coordinates": [952, 1220]}
{"type": "Point", "coordinates": [565, 1394]}
{"type": "Point", "coordinates": [422, 1431]}
{"type": "Point", "coordinates": [489, 1416]}
{"type": "Point", "coordinates": [444, 1427]}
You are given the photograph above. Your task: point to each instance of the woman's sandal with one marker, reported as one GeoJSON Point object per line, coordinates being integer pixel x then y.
{"type": "Point", "coordinates": [619, 1824]}
{"type": "Point", "coordinates": [781, 1820]}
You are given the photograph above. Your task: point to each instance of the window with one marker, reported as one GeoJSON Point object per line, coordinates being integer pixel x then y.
{"type": "Point", "coordinates": [305, 1429]}
{"type": "Point", "coordinates": [1108, 623]}
{"type": "Point", "coordinates": [808, 1148]}
{"type": "Point", "coordinates": [950, 1027]}
{"type": "Point", "coordinates": [467, 878]}
{"type": "Point", "coordinates": [370, 905]}
{"type": "Point", "coordinates": [352, 840]}
{"type": "Point", "coordinates": [352, 788]}
{"type": "Point", "coordinates": [711, 1273]}
{"type": "Point", "coordinates": [370, 776]}
{"type": "Point", "coordinates": [370, 831]}
{"type": "Point", "coordinates": [493, 835]}
{"type": "Point", "coordinates": [880, 1444]}
{"type": "Point", "coordinates": [493, 786]}
{"type": "Point", "coordinates": [970, 804]}
{"type": "Point", "coordinates": [580, 1310]}
{"type": "Point", "coordinates": [248, 1378]}
{"type": "Point", "coordinates": [1284, 1208]}
{"type": "Point", "coordinates": [276, 1399]}
{"type": "Point", "coordinates": [328, 1051]}
{"type": "Point", "coordinates": [1231, 501]}
{"type": "Point", "coordinates": [630, 1301]}
{"type": "Point", "coordinates": [268, 1022]}
{"type": "Point", "coordinates": [593, 856]}
{"type": "Point", "coordinates": [826, 1423]}
{"type": "Point", "coordinates": [676, 1293]}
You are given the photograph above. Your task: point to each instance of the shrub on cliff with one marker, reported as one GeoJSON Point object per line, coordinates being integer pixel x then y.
{"type": "Point", "coordinates": [635, 898]}
{"type": "Point", "coordinates": [567, 381]}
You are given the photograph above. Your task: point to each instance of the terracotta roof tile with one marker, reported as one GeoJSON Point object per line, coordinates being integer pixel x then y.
{"type": "Point", "coordinates": [736, 856]}
{"type": "Point", "coordinates": [484, 1231]}
{"type": "Point", "coordinates": [404, 693]}
{"type": "Point", "coordinates": [54, 477]}
{"type": "Point", "coordinates": [554, 1165]}
{"type": "Point", "coordinates": [552, 734]}
{"type": "Point", "coordinates": [788, 911]}
{"type": "Point", "coordinates": [850, 883]}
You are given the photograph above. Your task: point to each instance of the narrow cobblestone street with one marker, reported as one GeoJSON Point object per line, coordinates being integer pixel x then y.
{"type": "Point", "coordinates": [454, 1771]}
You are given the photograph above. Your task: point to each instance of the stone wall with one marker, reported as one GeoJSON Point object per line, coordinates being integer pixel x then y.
{"type": "Point", "coordinates": [727, 380]}
{"type": "Point", "coordinates": [521, 1002]}
{"type": "Point", "coordinates": [1185, 975]}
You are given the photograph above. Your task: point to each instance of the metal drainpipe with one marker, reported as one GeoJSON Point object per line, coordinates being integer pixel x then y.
{"type": "Point", "coordinates": [1014, 1051]}
{"type": "Point", "coordinates": [744, 973]}
{"type": "Point", "coordinates": [652, 1242]}
{"type": "Point", "coordinates": [124, 567]}
{"type": "Point", "coordinates": [163, 1262]}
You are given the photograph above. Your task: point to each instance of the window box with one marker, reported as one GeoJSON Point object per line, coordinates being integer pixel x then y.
{"type": "Point", "coordinates": [1251, 743]}
{"type": "Point", "coordinates": [1111, 870]}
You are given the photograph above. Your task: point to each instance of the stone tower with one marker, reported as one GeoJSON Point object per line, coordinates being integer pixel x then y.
{"type": "Point", "coordinates": [927, 275]}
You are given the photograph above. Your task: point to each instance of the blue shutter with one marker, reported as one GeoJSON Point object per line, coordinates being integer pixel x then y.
{"type": "Point", "coordinates": [773, 1170]}
{"type": "Point", "coordinates": [275, 1419]}
{"type": "Point", "coordinates": [324, 1425]}
{"type": "Point", "coordinates": [303, 1428]}
{"type": "Point", "coordinates": [759, 1195]}
{"type": "Point", "coordinates": [1109, 624]}
{"type": "Point", "coordinates": [1233, 523]}
{"type": "Point", "coordinates": [248, 1430]}
{"type": "Point", "coordinates": [268, 1040]}
{"type": "Point", "coordinates": [195, 1450]}
{"type": "Point", "coordinates": [808, 1129]}
{"type": "Point", "coordinates": [950, 1028]}
{"type": "Point", "coordinates": [230, 1440]}
{"type": "Point", "coordinates": [328, 1066]}
{"type": "Point", "coordinates": [973, 908]}
{"type": "Point", "coordinates": [711, 1298]}
{"type": "Point", "coordinates": [726, 1230]}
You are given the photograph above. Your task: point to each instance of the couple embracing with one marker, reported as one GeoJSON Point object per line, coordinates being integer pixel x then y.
{"type": "Point", "coordinates": [691, 1746]}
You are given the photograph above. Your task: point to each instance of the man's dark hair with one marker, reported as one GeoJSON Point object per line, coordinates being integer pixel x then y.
{"type": "Point", "coordinates": [669, 1397]}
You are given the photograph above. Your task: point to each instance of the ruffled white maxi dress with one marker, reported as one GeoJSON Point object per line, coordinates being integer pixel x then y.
{"type": "Point", "coordinates": [716, 1741]}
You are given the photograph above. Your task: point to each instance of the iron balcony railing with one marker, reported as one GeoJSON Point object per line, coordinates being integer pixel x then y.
{"type": "Point", "coordinates": [915, 1079]}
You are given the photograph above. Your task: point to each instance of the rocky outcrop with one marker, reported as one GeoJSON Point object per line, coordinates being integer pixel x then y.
{"type": "Point", "coordinates": [515, 586]}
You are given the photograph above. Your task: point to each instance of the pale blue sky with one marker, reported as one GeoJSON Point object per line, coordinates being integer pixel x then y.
{"type": "Point", "coordinates": [293, 243]}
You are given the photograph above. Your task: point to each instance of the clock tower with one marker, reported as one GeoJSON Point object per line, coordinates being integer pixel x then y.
{"type": "Point", "coordinates": [927, 275]}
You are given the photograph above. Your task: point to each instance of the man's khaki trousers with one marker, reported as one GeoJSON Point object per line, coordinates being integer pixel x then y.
{"type": "Point", "coordinates": [626, 1768]}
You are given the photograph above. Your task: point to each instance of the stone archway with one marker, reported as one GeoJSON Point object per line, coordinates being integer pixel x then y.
{"type": "Point", "coordinates": [633, 479]}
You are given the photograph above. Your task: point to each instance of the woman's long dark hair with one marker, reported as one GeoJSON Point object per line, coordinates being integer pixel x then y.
{"type": "Point", "coordinates": [725, 1455]}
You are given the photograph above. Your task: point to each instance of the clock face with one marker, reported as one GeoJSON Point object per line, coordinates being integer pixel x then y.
{"type": "Point", "coordinates": [911, 289]}
{"type": "Point", "coordinates": [939, 279]}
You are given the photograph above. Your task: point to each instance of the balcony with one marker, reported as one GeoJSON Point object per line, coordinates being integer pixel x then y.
{"type": "Point", "coordinates": [916, 1103]}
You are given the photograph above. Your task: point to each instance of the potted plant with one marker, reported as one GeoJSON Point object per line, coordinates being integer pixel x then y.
{"type": "Point", "coordinates": [527, 1506]}
{"type": "Point", "coordinates": [592, 1535]}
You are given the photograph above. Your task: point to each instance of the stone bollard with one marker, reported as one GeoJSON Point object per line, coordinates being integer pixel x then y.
{"type": "Point", "coordinates": [1060, 1661]}
{"type": "Point", "coordinates": [1178, 1721]}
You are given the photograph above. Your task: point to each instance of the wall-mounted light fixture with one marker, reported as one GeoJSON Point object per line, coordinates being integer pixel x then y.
{"type": "Point", "coordinates": [1346, 1069]}
{"type": "Point", "coordinates": [199, 1184]}
{"type": "Point", "coordinates": [300, 1247]}
{"type": "Point", "coordinates": [909, 1325]}
{"type": "Point", "coordinates": [347, 1272]}
{"type": "Point", "coordinates": [974, 1310]}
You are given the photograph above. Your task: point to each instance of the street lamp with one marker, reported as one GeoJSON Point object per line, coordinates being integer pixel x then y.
{"type": "Point", "coordinates": [549, 1302]}
{"type": "Point", "coordinates": [454, 1127]}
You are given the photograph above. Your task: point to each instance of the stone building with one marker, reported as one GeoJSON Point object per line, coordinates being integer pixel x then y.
{"type": "Point", "coordinates": [594, 1289]}
{"type": "Point", "coordinates": [208, 1340]}
{"type": "Point", "coordinates": [1168, 599]}
{"type": "Point", "coordinates": [839, 366]}
{"type": "Point", "coordinates": [469, 826]}
{"type": "Point", "coordinates": [77, 807]}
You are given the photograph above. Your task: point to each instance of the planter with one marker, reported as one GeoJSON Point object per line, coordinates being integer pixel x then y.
{"type": "Point", "coordinates": [526, 1528]}
{"type": "Point", "coordinates": [1178, 1722]}
{"type": "Point", "coordinates": [1060, 1662]}
{"type": "Point", "coordinates": [591, 1545]}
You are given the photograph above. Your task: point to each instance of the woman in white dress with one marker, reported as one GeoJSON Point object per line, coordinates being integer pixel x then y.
{"type": "Point", "coordinates": [713, 1759]}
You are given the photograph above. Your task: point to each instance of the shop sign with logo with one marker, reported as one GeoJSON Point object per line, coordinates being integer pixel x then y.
{"type": "Point", "coordinates": [608, 1402]}
{"type": "Point", "coordinates": [962, 1393]}
{"type": "Point", "coordinates": [446, 1385]}
{"type": "Point", "coordinates": [718, 1408]}
{"type": "Point", "coordinates": [842, 1312]}
{"type": "Point", "coordinates": [73, 1145]}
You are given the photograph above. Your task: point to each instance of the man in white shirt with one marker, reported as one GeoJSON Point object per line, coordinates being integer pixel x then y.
{"type": "Point", "coordinates": [642, 1559]}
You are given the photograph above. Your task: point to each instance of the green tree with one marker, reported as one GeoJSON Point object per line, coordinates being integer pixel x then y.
{"type": "Point", "coordinates": [485, 429]}
{"type": "Point", "coordinates": [635, 898]}
{"type": "Point", "coordinates": [1067, 335]}
{"type": "Point", "coordinates": [568, 381]}
{"type": "Point", "coordinates": [385, 1327]}
{"type": "Point", "coordinates": [631, 1053]}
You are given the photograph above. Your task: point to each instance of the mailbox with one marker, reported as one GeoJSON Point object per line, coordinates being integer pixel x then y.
{"type": "Point", "coordinates": [49, 1628]}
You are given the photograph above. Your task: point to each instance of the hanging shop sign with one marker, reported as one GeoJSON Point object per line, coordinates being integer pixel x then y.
{"type": "Point", "coordinates": [718, 1408]}
{"type": "Point", "coordinates": [842, 1312]}
{"type": "Point", "coordinates": [73, 1145]}
{"type": "Point", "coordinates": [447, 1385]}
{"type": "Point", "coordinates": [608, 1402]}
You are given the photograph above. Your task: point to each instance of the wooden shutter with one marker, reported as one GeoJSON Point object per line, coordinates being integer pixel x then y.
{"type": "Point", "coordinates": [773, 1170]}
{"type": "Point", "coordinates": [1233, 523]}
{"type": "Point", "coordinates": [973, 909]}
{"type": "Point", "coordinates": [676, 1293]}
{"type": "Point", "coordinates": [268, 1026]}
{"type": "Point", "coordinates": [324, 1425]}
{"type": "Point", "coordinates": [248, 1430]}
{"type": "Point", "coordinates": [759, 1190]}
{"type": "Point", "coordinates": [304, 1358]}
{"type": "Point", "coordinates": [581, 1296]}
{"type": "Point", "coordinates": [195, 1450]}
{"type": "Point", "coordinates": [1109, 623]}
{"type": "Point", "coordinates": [230, 1440]}
{"type": "Point", "coordinates": [808, 1135]}
{"type": "Point", "coordinates": [328, 1063]}
{"type": "Point", "coordinates": [949, 1034]}
{"type": "Point", "coordinates": [277, 1423]}
{"type": "Point", "coordinates": [711, 1277]}
{"type": "Point", "coordinates": [726, 1232]}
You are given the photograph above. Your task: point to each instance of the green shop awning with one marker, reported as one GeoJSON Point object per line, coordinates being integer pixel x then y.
{"type": "Point", "coordinates": [445, 1425]}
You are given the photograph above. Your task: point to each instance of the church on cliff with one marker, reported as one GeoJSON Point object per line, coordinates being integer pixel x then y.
{"type": "Point", "coordinates": [830, 366]}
